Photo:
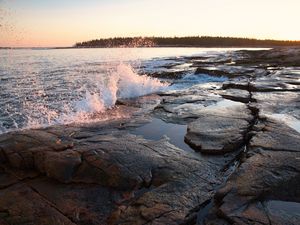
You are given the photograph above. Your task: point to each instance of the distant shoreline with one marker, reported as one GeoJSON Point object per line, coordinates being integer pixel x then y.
{"type": "Point", "coordinates": [96, 47]}
{"type": "Point", "coordinates": [175, 42]}
{"type": "Point", "coordinates": [193, 41]}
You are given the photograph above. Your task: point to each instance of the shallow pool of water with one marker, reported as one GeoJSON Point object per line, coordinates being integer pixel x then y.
{"type": "Point", "coordinates": [157, 129]}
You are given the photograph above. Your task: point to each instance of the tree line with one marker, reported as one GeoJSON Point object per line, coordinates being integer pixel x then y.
{"type": "Point", "coordinates": [192, 41]}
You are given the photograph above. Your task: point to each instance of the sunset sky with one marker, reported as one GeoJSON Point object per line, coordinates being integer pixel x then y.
{"type": "Point", "coordinates": [51, 23]}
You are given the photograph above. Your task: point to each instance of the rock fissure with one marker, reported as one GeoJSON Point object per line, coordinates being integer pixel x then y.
{"type": "Point", "coordinates": [51, 204]}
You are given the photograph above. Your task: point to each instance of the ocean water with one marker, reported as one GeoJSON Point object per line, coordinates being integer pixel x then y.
{"type": "Point", "coordinates": [42, 87]}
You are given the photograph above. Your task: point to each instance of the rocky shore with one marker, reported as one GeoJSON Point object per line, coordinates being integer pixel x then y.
{"type": "Point", "coordinates": [232, 156]}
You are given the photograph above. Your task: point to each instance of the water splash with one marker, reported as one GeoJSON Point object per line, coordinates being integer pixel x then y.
{"type": "Point", "coordinates": [96, 94]}
{"type": "Point", "coordinates": [122, 83]}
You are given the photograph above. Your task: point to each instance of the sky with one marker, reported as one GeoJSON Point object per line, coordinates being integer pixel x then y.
{"type": "Point", "coordinates": [50, 23]}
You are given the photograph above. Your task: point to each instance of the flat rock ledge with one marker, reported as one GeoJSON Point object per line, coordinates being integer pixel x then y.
{"type": "Point", "coordinates": [219, 131]}
{"type": "Point", "coordinates": [116, 179]}
{"type": "Point", "coordinates": [265, 188]}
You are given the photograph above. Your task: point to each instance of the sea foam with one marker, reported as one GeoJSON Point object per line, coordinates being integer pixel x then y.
{"type": "Point", "coordinates": [121, 83]}
{"type": "Point", "coordinates": [97, 94]}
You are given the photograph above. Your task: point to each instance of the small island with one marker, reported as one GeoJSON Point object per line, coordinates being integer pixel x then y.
{"type": "Point", "coordinates": [193, 41]}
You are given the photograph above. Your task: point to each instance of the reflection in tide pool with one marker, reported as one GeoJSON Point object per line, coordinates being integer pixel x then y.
{"type": "Point", "coordinates": [158, 129]}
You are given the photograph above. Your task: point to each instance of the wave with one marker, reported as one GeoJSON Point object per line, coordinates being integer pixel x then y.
{"type": "Point", "coordinates": [97, 93]}
{"type": "Point", "coordinates": [123, 83]}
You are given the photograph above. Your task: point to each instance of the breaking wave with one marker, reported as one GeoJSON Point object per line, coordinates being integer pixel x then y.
{"type": "Point", "coordinates": [122, 83]}
{"type": "Point", "coordinates": [97, 94]}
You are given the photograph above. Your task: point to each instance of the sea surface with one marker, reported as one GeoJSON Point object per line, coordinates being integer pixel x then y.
{"type": "Point", "coordinates": [42, 87]}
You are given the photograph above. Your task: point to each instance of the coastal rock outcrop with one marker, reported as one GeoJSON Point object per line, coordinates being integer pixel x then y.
{"type": "Point", "coordinates": [243, 166]}
{"type": "Point", "coordinates": [265, 188]}
{"type": "Point", "coordinates": [140, 180]}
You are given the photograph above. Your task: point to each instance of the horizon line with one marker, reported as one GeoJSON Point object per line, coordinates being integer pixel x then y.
{"type": "Point", "coordinates": [133, 37]}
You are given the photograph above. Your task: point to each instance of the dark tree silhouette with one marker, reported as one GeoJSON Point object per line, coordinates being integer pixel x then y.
{"type": "Point", "coordinates": [193, 41]}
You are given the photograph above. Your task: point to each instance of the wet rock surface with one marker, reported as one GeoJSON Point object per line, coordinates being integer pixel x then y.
{"type": "Point", "coordinates": [118, 177]}
{"type": "Point", "coordinates": [243, 165]}
{"type": "Point", "coordinates": [219, 129]}
{"type": "Point", "coordinates": [269, 173]}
